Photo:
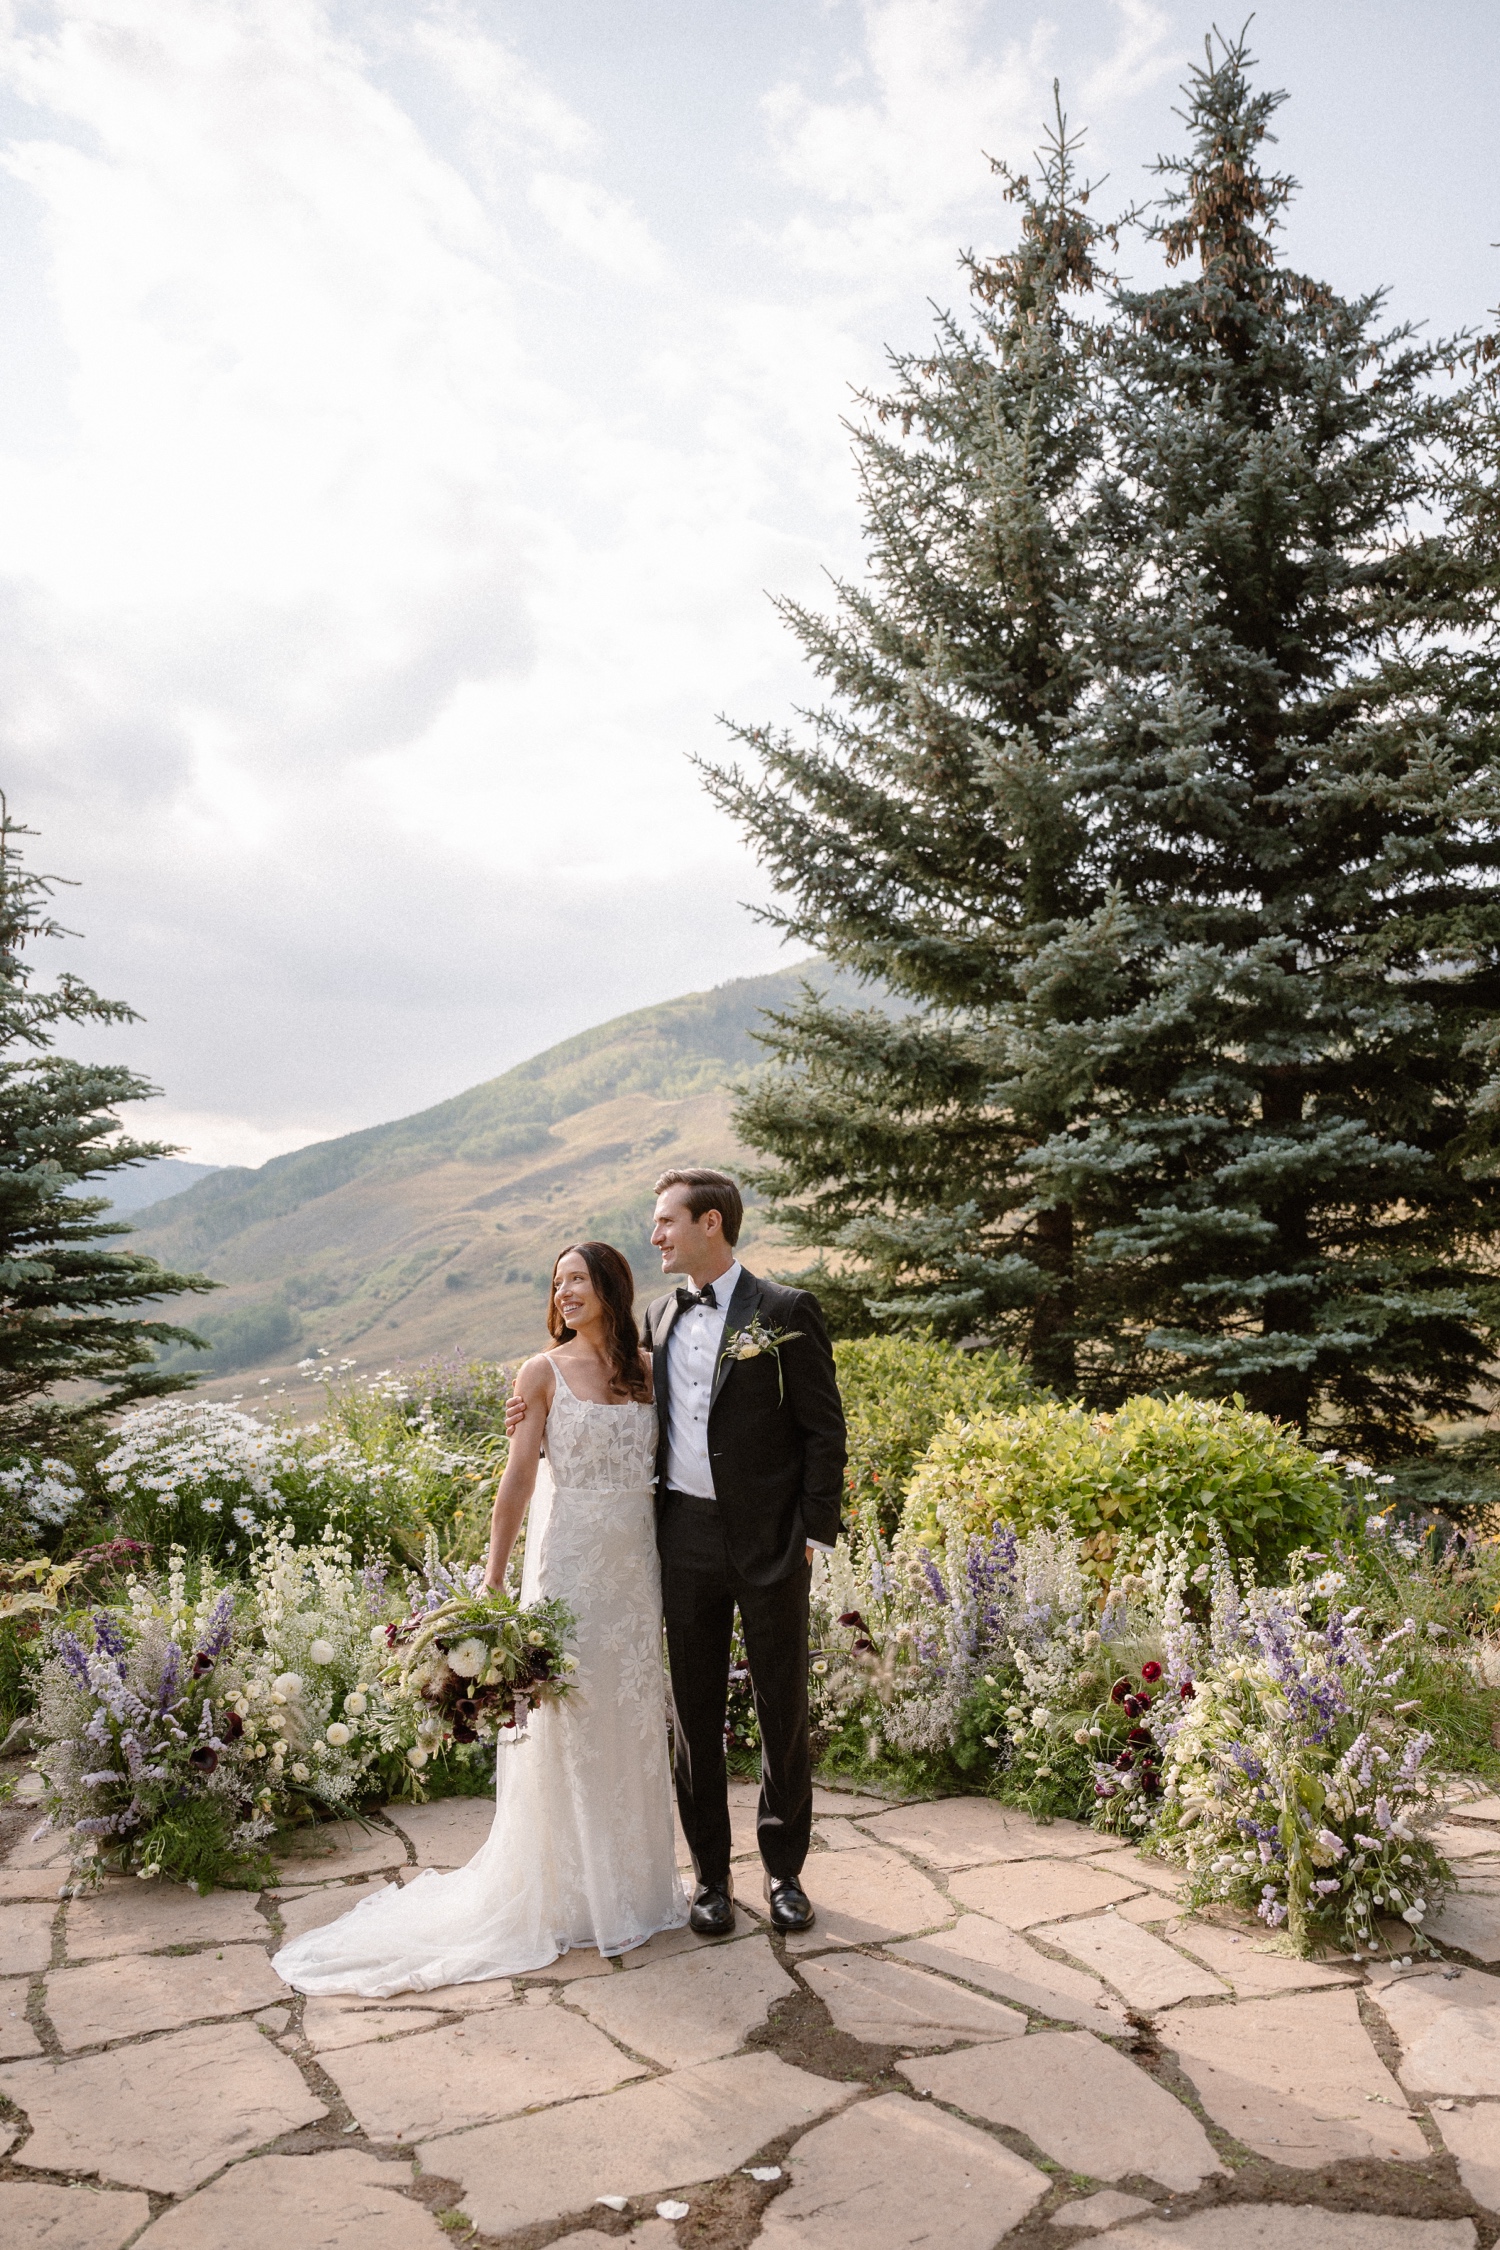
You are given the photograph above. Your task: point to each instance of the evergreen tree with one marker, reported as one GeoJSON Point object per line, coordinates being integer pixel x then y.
{"type": "Point", "coordinates": [1179, 825]}
{"type": "Point", "coordinates": [922, 834]}
{"type": "Point", "coordinates": [66, 1298]}
{"type": "Point", "coordinates": [1290, 772]}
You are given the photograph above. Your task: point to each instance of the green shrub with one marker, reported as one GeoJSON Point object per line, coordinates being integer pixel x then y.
{"type": "Point", "coordinates": [1178, 1465]}
{"type": "Point", "coordinates": [898, 1391]}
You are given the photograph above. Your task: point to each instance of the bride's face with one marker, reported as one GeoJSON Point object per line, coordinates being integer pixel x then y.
{"type": "Point", "coordinates": [576, 1297]}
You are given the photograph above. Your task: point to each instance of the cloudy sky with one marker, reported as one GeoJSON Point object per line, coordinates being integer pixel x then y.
{"type": "Point", "coordinates": [405, 409]}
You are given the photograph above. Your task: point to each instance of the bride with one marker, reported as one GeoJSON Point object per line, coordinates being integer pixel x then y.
{"type": "Point", "coordinates": [581, 1852]}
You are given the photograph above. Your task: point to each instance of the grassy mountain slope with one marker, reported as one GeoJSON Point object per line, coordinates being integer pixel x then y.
{"type": "Point", "coordinates": [436, 1233]}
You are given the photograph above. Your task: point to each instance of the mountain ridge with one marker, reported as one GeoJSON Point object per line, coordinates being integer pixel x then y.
{"type": "Point", "coordinates": [434, 1233]}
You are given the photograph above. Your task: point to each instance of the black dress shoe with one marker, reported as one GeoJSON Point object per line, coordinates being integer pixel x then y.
{"type": "Point", "coordinates": [791, 1908]}
{"type": "Point", "coordinates": [712, 1911]}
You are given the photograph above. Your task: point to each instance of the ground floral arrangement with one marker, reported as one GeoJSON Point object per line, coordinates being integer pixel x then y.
{"type": "Point", "coordinates": [1287, 1744]}
{"type": "Point", "coordinates": [185, 1725]}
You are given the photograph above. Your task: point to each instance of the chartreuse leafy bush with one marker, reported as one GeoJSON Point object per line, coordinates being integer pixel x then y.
{"type": "Point", "coordinates": [898, 1392]}
{"type": "Point", "coordinates": [1180, 1465]}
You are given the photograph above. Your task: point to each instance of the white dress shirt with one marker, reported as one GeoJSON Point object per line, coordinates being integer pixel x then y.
{"type": "Point", "coordinates": [693, 1349]}
{"type": "Point", "coordinates": [692, 1358]}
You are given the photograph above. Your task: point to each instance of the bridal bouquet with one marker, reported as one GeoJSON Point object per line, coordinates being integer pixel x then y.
{"type": "Point", "coordinates": [477, 1661]}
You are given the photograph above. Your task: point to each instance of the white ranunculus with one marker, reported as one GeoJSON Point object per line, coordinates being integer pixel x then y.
{"type": "Point", "coordinates": [321, 1652]}
{"type": "Point", "coordinates": [468, 1658]}
{"type": "Point", "coordinates": [747, 1350]}
{"type": "Point", "coordinates": [299, 1772]}
{"type": "Point", "coordinates": [336, 1736]}
{"type": "Point", "coordinates": [416, 1756]}
{"type": "Point", "coordinates": [377, 1636]}
{"type": "Point", "coordinates": [536, 1639]}
{"type": "Point", "coordinates": [286, 1685]}
{"type": "Point", "coordinates": [355, 1705]}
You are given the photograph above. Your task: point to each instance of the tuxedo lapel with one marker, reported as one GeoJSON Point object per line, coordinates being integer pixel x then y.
{"type": "Point", "coordinates": [741, 1305]}
{"type": "Point", "coordinates": [660, 1372]}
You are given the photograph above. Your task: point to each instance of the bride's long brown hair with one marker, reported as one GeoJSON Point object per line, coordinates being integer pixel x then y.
{"type": "Point", "coordinates": [614, 1285]}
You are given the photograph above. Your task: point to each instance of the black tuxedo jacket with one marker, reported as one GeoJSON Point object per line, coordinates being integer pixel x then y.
{"type": "Point", "coordinates": [777, 1451]}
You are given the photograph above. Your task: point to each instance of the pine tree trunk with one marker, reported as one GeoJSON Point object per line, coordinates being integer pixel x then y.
{"type": "Point", "coordinates": [1054, 1352]}
{"type": "Point", "coordinates": [1285, 1392]}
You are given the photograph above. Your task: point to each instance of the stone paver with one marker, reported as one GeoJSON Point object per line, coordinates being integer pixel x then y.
{"type": "Point", "coordinates": [344, 2200]}
{"type": "Point", "coordinates": [1475, 1808]}
{"type": "Point", "coordinates": [164, 2115]}
{"type": "Point", "coordinates": [1296, 2226]}
{"type": "Point", "coordinates": [656, 2234]}
{"type": "Point", "coordinates": [1239, 1959]}
{"type": "Point", "coordinates": [339, 1847]}
{"type": "Point", "coordinates": [447, 1832]}
{"type": "Point", "coordinates": [1296, 2079]}
{"type": "Point", "coordinates": [1021, 1893]}
{"type": "Point", "coordinates": [490, 2065]}
{"type": "Point", "coordinates": [34, 1852]}
{"type": "Point", "coordinates": [846, 1804]}
{"type": "Point", "coordinates": [1470, 1922]}
{"type": "Point", "coordinates": [1155, 1874]}
{"type": "Point", "coordinates": [668, 1943]}
{"type": "Point", "coordinates": [1449, 2029]}
{"type": "Point", "coordinates": [1457, 1842]}
{"type": "Point", "coordinates": [1101, 2210]}
{"type": "Point", "coordinates": [889, 2004]}
{"type": "Point", "coordinates": [689, 2126]}
{"type": "Point", "coordinates": [583, 1961]}
{"type": "Point", "coordinates": [971, 1832]}
{"type": "Point", "coordinates": [1473, 2135]}
{"type": "Point", "coordinates": [693, 2006]}
{"type": "Point", "coordinates": [312, 1910]}
{"type": "Point", "coordinates": [26, 1938]}
{"type": "Point", "coordinates": [1080, 2102]}
{"type": "Point", "coordinates": [1146, 1973]}
{"type": "Point", "coordinates": [34, 2215]}
{"type": "Point", "coordinates": [839, 1835]}
{"type": "Point", "coordinates": [864, 1896]}
{"type": "Point", "coordinates": [16, 2035]}
{"type": "Point", "coordinates": [893, 2174]}
{"type": "Point", "coordinates": [328, 2024]}
{"type": "Point", "coordinates": [134, 1917]}
{"type": "Point", "coordinates": [137, 1992]}
{"type": "Point", "coordinates": [986, 1953]}
{"type": "Point", "coordinates": [29, 1882]}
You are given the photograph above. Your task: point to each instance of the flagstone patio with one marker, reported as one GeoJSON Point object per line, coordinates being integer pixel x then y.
{"type": "Point", "coordinates": [998, 2032]}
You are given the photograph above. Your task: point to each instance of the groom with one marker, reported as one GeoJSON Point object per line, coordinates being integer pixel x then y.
{"type": "Point", "coordinates": [751, 1476]}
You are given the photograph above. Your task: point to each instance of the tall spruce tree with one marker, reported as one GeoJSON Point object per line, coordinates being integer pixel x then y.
{"type": "Point", "coordinates": [1235, 1033]}
{"type": "Point", "coordinates": [923, 834]}
{"type": "Point", "coordinates": [67, 1300]}
{"type": "Point", "coordinates": [1291, 775]}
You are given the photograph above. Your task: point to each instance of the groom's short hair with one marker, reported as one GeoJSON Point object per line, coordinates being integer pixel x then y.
{"type": "Point", "coordinates": [709, 1191]}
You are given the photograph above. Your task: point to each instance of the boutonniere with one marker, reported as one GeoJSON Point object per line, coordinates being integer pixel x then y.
{"type": "Point", "coordinates": [754, 1339]}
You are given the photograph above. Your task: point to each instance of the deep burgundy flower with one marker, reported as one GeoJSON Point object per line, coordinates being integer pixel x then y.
{"type": "Point", "coordinates": [203, 1759]}
{"type": "Point", "coordinates": [1138, 1734]}
{"type": "Point", "coordinates": [863, 1647]}
{"type": "Point", "coordinates": [202, 1663]}
{"type": "Point", "coordinates": [852, 1617]}
{"type": "Point", "coordinates": [1125, 1761]}
{"type": "Point", "coordinates": [1119, 1691]}
{"type": "Point", "coordinates": [1187, 1691]}
{"type": "Point", "coordinates": [1104, 1789]}
{"type": "Point", "coordinates": [232, 1726]}
{"type": "Point", "coordinates": [1135, 1705]}
{"type": "Point", "coordinates": [1151, 1671]}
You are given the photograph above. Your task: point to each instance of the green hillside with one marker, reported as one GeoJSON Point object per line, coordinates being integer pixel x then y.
{"type": "Point", "coordinates": [435, 1234]}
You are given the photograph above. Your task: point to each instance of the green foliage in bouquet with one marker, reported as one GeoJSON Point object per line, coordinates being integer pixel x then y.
{"type": "Point", "coordinates": [1180, 1465]}
{"type": "Point", "coordinates": [898, 1392]}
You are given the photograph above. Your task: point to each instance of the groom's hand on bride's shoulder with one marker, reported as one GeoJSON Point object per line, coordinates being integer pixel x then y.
{"type": "Point", "coordinates": [515, 1413]}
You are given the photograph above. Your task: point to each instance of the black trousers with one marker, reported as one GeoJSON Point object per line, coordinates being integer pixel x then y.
{"type": "Point", "coordinates": [701, 1590]}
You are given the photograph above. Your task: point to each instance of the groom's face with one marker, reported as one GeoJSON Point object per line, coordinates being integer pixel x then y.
{"type": "Point", "coordinates": [685, 1243]}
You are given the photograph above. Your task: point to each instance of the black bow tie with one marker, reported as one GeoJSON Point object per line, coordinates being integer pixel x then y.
{"type": "Point", "coordinates": [687, 1298]}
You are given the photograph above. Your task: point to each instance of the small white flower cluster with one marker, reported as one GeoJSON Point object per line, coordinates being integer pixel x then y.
{"type": "Point", "coordinates": [177, 1450]}
{"type": "Point", "coordinates": [49, 1491]}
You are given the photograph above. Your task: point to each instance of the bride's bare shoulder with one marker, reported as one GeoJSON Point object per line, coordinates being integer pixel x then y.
{"type": "Point", "coordinates": [535, 1376]}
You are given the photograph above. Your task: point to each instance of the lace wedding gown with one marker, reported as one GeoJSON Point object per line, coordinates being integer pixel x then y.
{"type": "Point", "coordinates": [581, 1852]}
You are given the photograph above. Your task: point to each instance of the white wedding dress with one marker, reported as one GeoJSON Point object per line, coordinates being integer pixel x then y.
{"type": "Point", "coordinates": [581, 1852]}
